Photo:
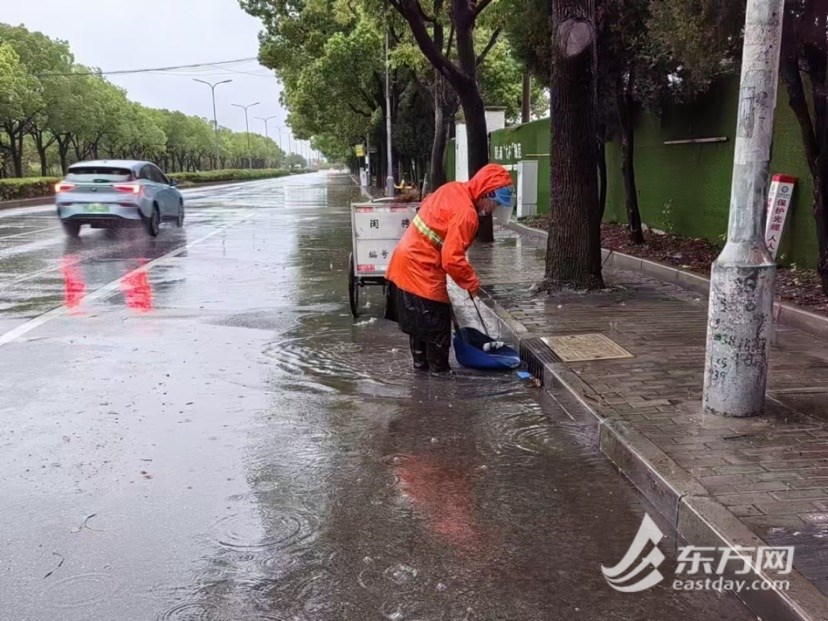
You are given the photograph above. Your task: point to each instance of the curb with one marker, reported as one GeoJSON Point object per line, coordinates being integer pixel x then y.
{"type": "Point", "coordinates": [674, 492]}
{"type": "Point", "coordinates": [27, 202]}
{"type": "Point", "coordinates": [784, 313]}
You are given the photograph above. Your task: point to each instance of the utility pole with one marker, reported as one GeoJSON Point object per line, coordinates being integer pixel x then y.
{"type": "Point", "coordinates": [247, 126]}
{"type": "Point", "coordinates": [741, 283]}
{"type": "Point", "coordinates": [215, 117]}
{"type": "Point", "coordinates": [267, 120]}
{"type": "Point", "coordinates": [368, 159]}
{"type": "Point", "coordinates": [389, 178]}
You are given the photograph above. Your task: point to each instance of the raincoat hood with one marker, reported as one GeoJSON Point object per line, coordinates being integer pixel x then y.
{"type": "Point", "coordinates": [488, 179]}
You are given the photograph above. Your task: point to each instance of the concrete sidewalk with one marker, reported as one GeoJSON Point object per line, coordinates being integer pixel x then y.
{"type": "Point", "coordinates": [722, 481]}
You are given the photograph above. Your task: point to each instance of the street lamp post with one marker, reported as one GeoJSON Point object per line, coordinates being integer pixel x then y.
{"type": "Point", "coordinates": [215, 116]}
{"type": "Point", "coordinates": [247, 126]}
{"type": "Point", "coordinates": [389, 178]}
{"type": "Point", "coordinates": [290, 147]}
{"type": "Point", "coordinates": [741, 281]}
{"type": "Point", "coordinates": [267, 120]}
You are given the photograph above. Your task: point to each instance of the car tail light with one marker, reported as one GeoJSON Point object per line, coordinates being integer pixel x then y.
{"type": "Point", "coordinates": [131, 188]}
{"type": "Point", "coordinates": [64, 186]}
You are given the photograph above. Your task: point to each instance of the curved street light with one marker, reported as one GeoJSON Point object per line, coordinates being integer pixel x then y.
{"type": "Point", "coordinates": [213, 86]}
{"type": "Point", "coordinates": [266, 120]}
{"type": "Point", "coordinates": [247, 125]}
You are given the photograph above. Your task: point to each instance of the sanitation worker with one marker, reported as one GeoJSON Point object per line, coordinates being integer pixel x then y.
{"type": "Point", "coordinates": [434, 246]}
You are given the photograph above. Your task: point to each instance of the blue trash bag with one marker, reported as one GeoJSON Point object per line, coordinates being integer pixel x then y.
{"type": "Point", "coordinates": [468, 349]}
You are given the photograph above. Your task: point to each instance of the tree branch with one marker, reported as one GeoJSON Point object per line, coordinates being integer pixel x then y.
{"type": "Point", "coordinates": [423, 15]}
{"type": "Point", "coordinates": [481, 5]}
{"type": "Point", "coordinates": [410, 12]}
{"type": "Point", "coordinates": [356, 110]}
{"type": "Point", "coordinates": [489, 46]}
{"type": "Point", "coordinates": [799, 105]}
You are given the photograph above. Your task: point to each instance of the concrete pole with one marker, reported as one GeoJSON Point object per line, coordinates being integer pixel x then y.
{"type": "Point", "coordinates": [247, 128]}
{"type": "Point", "coordinates": [215, 116]}
{"type": "Point", "coordinates": [368, 157]}
{"type": "Point", "coordinates": [741, 284]}
{"type": "Point", "coordinates": [389, 179]}
{"type": "Point", "coordinates": [267, 120]}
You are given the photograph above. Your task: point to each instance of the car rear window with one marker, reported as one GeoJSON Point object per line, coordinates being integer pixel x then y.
{"type": "Point", "coordinates": [103, 173]}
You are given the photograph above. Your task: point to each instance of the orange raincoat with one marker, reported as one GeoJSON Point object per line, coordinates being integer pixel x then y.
{"type": "Point", "coordinates": [436, 242]}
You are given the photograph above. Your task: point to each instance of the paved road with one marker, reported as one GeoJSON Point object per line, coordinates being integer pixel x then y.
{"type": "Point", "coordinates": [193, 427]}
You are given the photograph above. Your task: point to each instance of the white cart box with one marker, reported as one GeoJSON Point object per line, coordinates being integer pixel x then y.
{"type": "Point", "coordinates": [377, 229]}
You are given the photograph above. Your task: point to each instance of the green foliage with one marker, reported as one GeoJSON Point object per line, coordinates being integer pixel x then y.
{"type": "Point", "coordinates": [214, 176]}
{"type": "Point", "coordinates": [32, 187]}
{"type": "Point", "coordinates": [20, 90]}
{"type": "Point", "coordinates": [703, 38]}
{"type": "Point", "coordinates": [67, 112]}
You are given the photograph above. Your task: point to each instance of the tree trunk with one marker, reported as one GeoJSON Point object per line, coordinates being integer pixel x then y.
{"type": "Point", "coordinates": [821, 178]}
{"type": "Point", "coordinates": [478, 143]}
{"type": "Point", "coordinates": [42, 156]}
{"type": "Point", "coordinates": [474, 110]}
{"type": "Point", "coordinates": [445, 107]}
{"type": "Point", "coordinates": [63, 152]}
{"type": "Point", "coordinates": [602, 172]}
{"type": "Point", "coordinates": [627, 124]}
{"type": "Point", "coordinates": [41, 146]}
{"type": "Point", "coordinates": [526, 100]}
{"type": "Point", "coordinates": [810, 131]}
{"type": "Point", "coordinates": [15, 147]}
{"type": "Point", "coordinates": [574, 246]}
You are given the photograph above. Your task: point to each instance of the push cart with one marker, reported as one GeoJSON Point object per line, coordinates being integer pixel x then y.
{"type": "Point", "coordinates": [376, 228]}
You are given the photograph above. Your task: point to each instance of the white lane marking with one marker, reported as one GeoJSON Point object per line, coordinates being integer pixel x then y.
{"type": "Point", "coordinates": [23, 248]}
{"type": "Point", "coordinates": [24, 233]}
{"type": "Point", "coordinates": [107, 289]}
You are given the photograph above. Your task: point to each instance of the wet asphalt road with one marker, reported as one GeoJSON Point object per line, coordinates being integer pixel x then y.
{"type": "Point", "coordinates": [194, 428]}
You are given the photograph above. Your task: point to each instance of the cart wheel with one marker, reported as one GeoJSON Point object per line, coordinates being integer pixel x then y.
{"type": "Point", "coordinates": [353, 287]}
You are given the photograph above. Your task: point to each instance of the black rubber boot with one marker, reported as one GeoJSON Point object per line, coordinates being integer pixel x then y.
{"type": "Point", "coordinates": [419, 353]}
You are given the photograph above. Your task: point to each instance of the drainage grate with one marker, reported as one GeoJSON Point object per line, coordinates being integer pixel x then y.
{"type": "Point", "coordinates": [536, 353]}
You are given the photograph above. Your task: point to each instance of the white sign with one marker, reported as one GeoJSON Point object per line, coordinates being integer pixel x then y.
{"type": "Point", "coordinates": [511, 151]}
{"type": "Point", "coordinates": [699, 567]}
{"type": "Point", "coordinates": [377, 229]}
{"type": "Point", "coordinates": [381, 224]}
{"type": "Point", "coordinates": [779, 201]}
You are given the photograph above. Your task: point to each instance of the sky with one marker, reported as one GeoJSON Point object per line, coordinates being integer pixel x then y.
{"type": "Point", "coordinates": [133, 34]}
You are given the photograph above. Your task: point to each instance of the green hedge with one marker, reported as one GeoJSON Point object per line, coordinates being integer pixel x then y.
{"type": "Point", "coordinates": [30, 187]}
{"type": "Point", "coordinates": [214, 176]}
{"type": "Point", "coordinates": [42, 187]}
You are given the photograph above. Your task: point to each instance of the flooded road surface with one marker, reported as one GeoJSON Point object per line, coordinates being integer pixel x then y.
{"type": "Point", "coordinates": [194, 428]}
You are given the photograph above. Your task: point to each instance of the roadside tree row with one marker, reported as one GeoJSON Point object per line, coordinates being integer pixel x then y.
{"type": "Point", "coordinates": [54, 111]}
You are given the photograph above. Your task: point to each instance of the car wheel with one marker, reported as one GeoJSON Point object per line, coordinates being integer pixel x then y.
{"type": "Point", "coordinates": [179, 221]}
{"type": "Point", "coordinates": [154, 222]}
{"type": "Point", "coordinates": [72, 229]}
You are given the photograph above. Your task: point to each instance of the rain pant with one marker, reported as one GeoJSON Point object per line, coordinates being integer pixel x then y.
{"type": "Point", "coordinates": [435, 244]}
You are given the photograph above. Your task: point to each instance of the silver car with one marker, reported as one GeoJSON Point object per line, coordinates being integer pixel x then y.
{"type": "Point", "coordinates": [110, 193]}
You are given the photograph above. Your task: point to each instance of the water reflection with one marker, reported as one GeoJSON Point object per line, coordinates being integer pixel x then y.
{"type": "Point", "coordinates": [74, 285]}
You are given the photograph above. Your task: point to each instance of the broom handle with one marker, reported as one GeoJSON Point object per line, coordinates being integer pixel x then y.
{"type": "Point", "coordinates": [479, 316]}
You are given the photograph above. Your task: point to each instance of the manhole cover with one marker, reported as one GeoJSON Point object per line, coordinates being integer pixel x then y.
{"type": "Point", "coordinates": [583, 347]}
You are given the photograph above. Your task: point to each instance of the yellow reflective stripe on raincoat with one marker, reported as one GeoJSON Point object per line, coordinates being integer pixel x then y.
{"type": "Point", "coordinates": [421, 226]}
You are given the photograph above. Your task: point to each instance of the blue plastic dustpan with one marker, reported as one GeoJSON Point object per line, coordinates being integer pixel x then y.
{"type": "Point", "coordinates": [468, 349]}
